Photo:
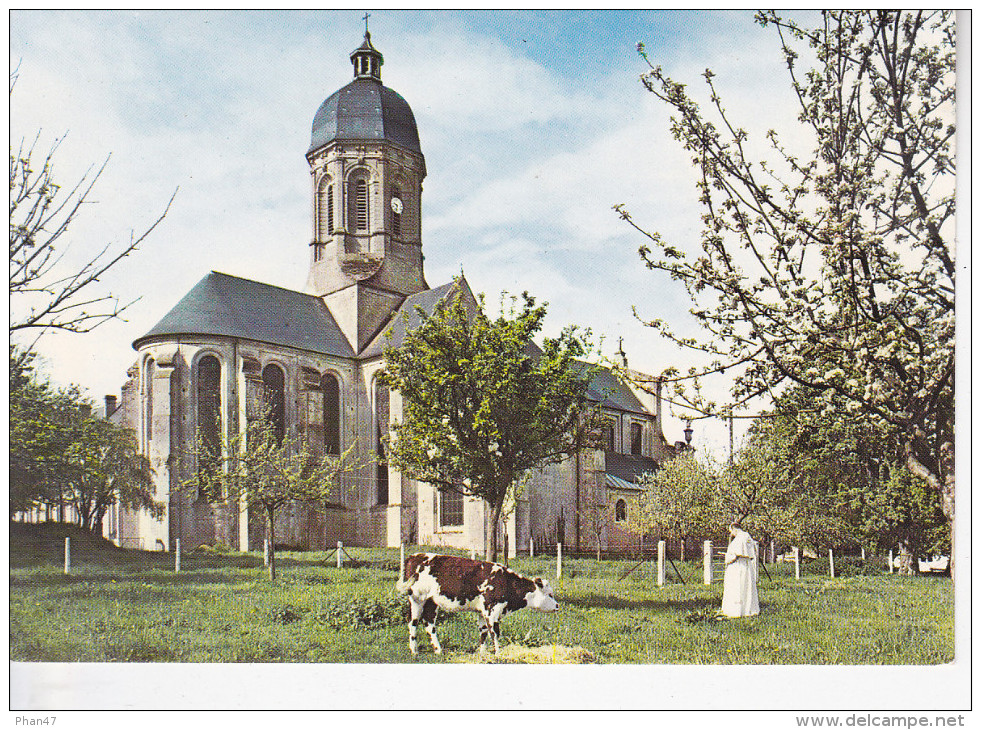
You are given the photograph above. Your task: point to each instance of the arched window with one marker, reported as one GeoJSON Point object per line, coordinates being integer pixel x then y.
{"type": "Point", "coordinates": [331, 389]}
{"type": "Point", "coordinates": [209, 415]}
{"type": "Point", "coordinates": [359, 211]}
{"type": "Point", "coordinates": [397, 209]}
{"type": "Point", "coordinates": [381, 431]}
{"type": "Point", "coordinates": [148, 385]}
{"type": "Point", "coordinates": [621, 511]}
{"type": "Point", "coordinates": [325, 209]}
{"type": "Point", "coordinates": [274, 398]}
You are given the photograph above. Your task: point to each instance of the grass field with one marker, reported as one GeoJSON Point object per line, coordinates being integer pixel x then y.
{"type": "Point", "coordinates": [124, 605]}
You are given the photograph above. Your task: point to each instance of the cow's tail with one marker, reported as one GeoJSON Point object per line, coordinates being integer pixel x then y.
{"type": "Point", "coordinates": [405, 584]}
{"type": "Point", "coordinates": [407, 578]}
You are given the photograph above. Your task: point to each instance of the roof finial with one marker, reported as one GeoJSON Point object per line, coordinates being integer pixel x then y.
{"type": "Point", "coordinates": [365, 19]}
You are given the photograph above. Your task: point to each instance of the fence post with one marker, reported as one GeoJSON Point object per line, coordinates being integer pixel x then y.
{"type": "Point", "coordinates": [773, 551]}
{"type": "Point", "coordinates": [558, 561]}
{"type": "Point", "coordinates": [531, 547]}
{"type": "Point", "coordinates": [473, 553]}
{"type": "Point", "coordinates": [265, 552]}
{"type": "Point", "coordinates": [340, 554]}
{"type": "Point", "coordinates": [831, 562]}
{"type": "Point", "coordinates": [682, 549]}
{"type": "Point", "coordinates": [177, 555]}
{"type": "Point", "coordinates": [68, 555]}
{"type": "Point", "coordinates": [660, 562]}
{"type": "Point", "coordinates": [890, 561]}
{"type": "Point", "coordinates": [707, 562]}
{"type": "Point", "coordinates": [401, 560]}
{"type": "Point", "coordinates": [863, 555]}
{"type": "Point", "coordinates": [797, 563]}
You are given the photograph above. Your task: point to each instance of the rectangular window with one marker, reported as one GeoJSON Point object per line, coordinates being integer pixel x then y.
{"type": "Point", "coordinates": [636, 438]}
{"type": "Point", "coordinates": [609, 435]}
{"type": "Point", "coordinates": [450, 508]}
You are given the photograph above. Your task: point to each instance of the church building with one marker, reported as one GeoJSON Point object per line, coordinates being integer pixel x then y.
{"type": "Point", "coordinates": [313, 357]}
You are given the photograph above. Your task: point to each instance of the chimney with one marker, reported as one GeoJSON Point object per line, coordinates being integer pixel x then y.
{"type": "Point", "coordinates": [110, 405]}
{"type": "Point", "coordinates": [657, 404]}
{"type": "Point", "coordinates": [85, 410]}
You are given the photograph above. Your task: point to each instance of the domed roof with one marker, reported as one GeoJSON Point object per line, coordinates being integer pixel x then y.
{"type": "Point", "coordinates": [364, 109]}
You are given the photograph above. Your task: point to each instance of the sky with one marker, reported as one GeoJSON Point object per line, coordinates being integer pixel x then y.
{"type": "Point", "coordinates": [533, 125]}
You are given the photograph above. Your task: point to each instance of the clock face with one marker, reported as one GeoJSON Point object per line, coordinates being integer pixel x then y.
{"type": "Point", "coordinates": [396, 205]}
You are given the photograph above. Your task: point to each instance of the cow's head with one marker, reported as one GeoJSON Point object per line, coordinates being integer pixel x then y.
{"type": "Point", "coordinates": [542, 597]}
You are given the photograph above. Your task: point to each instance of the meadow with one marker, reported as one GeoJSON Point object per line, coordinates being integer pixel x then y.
{"type": "Point", "coordinates": [128, 605]}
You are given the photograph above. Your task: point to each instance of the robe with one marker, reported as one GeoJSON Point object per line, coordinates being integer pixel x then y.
{"type": "Point", "coordinates": [739, 595]}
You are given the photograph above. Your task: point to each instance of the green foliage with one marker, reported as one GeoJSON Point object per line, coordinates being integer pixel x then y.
{"type": "Point", "coordinates": [681, 499]}
{"type": "Point", "coordinates": [831, 268]}
{"type": "Point", "coordinates": [264, 470]}
{"type": "Point", "coordinates": [62, 455]}
{"type": "Point", "coordinates": [363, 613]}
{"type": "Point", "coordinates": [482, 404]}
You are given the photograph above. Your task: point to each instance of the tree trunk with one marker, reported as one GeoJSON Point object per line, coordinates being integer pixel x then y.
{"type": "Point", "coordinates": [491, 517]}
{"type": "Point", "coordinates": [270, 514]}
{"type": "Point", "coordinates": [905, 559]}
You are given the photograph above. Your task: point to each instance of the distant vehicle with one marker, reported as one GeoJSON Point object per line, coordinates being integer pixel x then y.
{"type": "Point", "coordinates": [936, 564]}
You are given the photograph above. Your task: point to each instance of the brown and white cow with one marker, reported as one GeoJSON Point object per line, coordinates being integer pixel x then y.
{"type": "Point", "coordinates": [460, 584]}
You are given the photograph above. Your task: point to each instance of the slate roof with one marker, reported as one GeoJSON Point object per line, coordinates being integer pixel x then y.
{"type": "Point", "coordinates": [407, 318]}
{"type": "Point", "coordinates": [365, 110]}
{"type": "Point", "coordinates": [628, 467]}
{"type": "Point", "coordinates": [607, 389]}
{"type": "Point", "coordinates": [228, 306]}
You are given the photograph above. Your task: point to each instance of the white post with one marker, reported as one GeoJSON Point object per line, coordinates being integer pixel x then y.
{"type": "Point", "coordinates": [177, 556]}
{"type": "Point", "coordinates": [558, 561]}
{"type": "Point", "coordinates": [863, 555]}
{"type": "Point", "coordinates": [340, 554]}
{"type": "Point", "coordinates": [890, 561]}
{"type": "Point", "coordinates": [831, 562]}
{"type": "Point", "coordinates": [401, 560]}
{"type": "Point", "coordinates": [660, 562]}
{"type": "Point", "coordinates": [797, 563]}
{"type": "Point", "coordinates": [473, 553]}
{"type": "Point", "coordinates": [68, 555]}
{"type": "Point", "coordinates": [531, 547]}
{"type": "Point", "coordinates": [265, 552]}
{"type": "Point", "coordinates": [707, 562]}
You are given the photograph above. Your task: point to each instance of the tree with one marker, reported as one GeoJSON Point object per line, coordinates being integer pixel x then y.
{"type": "Point", "coordinates": [101, 467]}
{"type": "Point", "coordinates": [680, 499]}
{"type": "Point", "coordinates": [260, 469]}
{"type": "Point", "coordinates": [848, 475]}
{"type": "Point", "coordinates": [63, 456]}
{"type": "Point", "coordinates": [832, 270]}
{"type": "Point", "coordinates": [482, 404]}
{"type": "Point", "coordinates": [45, 292]}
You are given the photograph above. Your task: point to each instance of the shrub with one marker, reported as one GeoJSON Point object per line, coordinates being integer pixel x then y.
{"type": "Point", "coordinates": [364, 613]}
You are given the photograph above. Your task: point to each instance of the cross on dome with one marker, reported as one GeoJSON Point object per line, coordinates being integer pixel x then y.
{"type": "Point", "coordinates": [366, 58]}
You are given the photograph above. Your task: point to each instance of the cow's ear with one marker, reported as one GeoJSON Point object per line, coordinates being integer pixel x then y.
{"type": "Point", "coordinates": [538, 582]}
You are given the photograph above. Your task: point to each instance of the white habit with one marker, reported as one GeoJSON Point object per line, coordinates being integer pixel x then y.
{"type": "Point", "coordinates": [739, 596]}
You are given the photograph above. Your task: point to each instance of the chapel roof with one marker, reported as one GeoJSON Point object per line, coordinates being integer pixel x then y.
{"type": "Point", "coordinates": [365, 110]}
{"type": "Point", "coordinates": [628, 467]}
{"type": "Point", "coordinates": [228, 306]}
{"type": "Point", "coordinates": [611, 392]}
{"type": "Point", "coordinates": [406, 317]}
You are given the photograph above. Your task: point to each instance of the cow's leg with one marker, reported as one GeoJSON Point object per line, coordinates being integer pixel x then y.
{"type": "Point", "coordinates": [415, 608]}
{"type": "Point", "coordinates": [494, 624]}
{"type": "Point", "coordinates": [484, 630]}
{"type": "Point", "coordinates": [429, 619]}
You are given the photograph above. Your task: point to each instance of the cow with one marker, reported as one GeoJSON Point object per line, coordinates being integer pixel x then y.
{"type": "Point", "coordinates": [460, 584]}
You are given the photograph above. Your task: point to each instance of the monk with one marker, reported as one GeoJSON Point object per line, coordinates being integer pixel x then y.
{"type": "Point", "coordinates": [739, 595]}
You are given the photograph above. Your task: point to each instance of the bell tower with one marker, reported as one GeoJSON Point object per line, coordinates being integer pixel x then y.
{"type": "Point", "coordinates": [367, 169]}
